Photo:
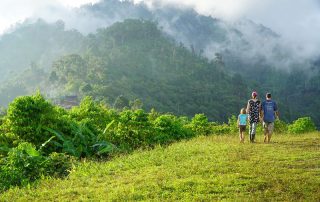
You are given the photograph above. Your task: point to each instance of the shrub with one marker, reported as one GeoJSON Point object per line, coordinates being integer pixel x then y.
{"type": "Point", "coordinates": [24, 164]}
{"type": "Point", "coordinates": [95, 115]}
{"type": "Point", "coordinates": [130, 130]}
{"type": "Point", "coordinates": [200, 125]}
{"type": "Point", "coordinates": [59, 164]}
{"type": "Point", "coordinates": [153, 114]}
{"type": "Point", "coordinates": [169, 128]}
{"type": "Point", "coordinates": [219, 129]}
{"type": "Point", "coordinates": [233, 124]}
{"type": "Point", "coordinates": [8, 140]}
{"type": "Point", "coordinates": [280, 126]}
{"type": "Point", "coordinates": [28, 116]}
{"type": "Point", "coordinates": [302, 125]}
{"type": "Point", "coordinates": [79, 143]}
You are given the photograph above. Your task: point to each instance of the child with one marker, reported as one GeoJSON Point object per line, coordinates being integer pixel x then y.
{"type": "Point", "coordinates": [242, 123]}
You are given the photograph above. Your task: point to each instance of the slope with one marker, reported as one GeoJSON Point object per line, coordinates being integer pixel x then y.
{"type": "Point", "coordinates": [205, 169]}
{"type": "Point", "coordinates": [135, 60]}
{"type": "Point", "coordinates": [38, 43]}
{"type": "Point", "coordinates": [262, 57]}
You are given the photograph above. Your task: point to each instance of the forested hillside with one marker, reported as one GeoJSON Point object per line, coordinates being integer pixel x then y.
{"type": "Point", "coordinates": [134, 60]}
{"type": "Point", "coordinates": [39, 43]}
{"type": "Point", "coordinates": [172, 59]}
{"type": "Point", "coordinates": [27, 53]}
{"type": "Point", "coordinates": [251, 50]}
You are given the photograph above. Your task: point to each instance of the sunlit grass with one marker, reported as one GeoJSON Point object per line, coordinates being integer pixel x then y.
{"type": "Point", "coordinates": [205, 168]}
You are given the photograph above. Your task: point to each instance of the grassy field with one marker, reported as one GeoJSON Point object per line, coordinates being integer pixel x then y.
{"type": "Point", "coordinates": [202, 169]}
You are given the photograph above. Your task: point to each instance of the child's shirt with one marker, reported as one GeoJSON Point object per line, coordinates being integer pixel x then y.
{"type": "Point", "coordinates": [243, 119]}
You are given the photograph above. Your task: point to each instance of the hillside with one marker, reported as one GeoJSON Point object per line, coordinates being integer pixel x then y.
{"type": "Point", "coordinates": [205, 168]}
{"type": "Point", "coordinates": [202, 61]}
{"type": "Point", "coordinates": [135, 60]}
{"type": "Point", "coordinates": [38, 43]}
{"type": "Point", "coordinates": [257, 53]}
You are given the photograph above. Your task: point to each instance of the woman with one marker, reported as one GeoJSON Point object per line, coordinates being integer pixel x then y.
{"type": "Point", "coordinates": [253, 111]}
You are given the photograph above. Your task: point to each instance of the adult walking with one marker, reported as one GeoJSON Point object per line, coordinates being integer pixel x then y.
{"type": "Point", "coordinates": [253, 110]}
{"type": "Point", "coordinates": [269, 113]}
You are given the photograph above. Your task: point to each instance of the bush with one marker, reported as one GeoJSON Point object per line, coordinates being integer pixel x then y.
{"type": "Point", "coordinates": [129, 131]}
{"type": "Point", "coordinates": [220, 129]}
{"type": "Point", "coordinates": [169, 128]}
{"type": "Point", "coordinates": [280, 127]}
{"type": "Point", "coordinates": [302, 125]}
{"type": "Point", "coordinates": [28, 116]}
{"type": "Point", "coordinates": [8, 140]}
{"type": "Point", "coordinates": [200, 125]}
{"type": "Point", "coordinates": [135, 129]}
{"type": "Point", "coordinates": [24, 164]}
{"type": "Point", "coordinates": [79, 143]}
{"type": "Point", "coordinates": [59, 164]}
{"type": "Point", "coordinates": [95, 115]}
{"type": "Point", "coordinates": [233, 124]}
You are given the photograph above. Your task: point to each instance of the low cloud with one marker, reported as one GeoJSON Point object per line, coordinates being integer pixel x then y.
{"type": "Point", "coordinates": [298, 21]}
{"type": "Point", "coordinates": [16, 11]}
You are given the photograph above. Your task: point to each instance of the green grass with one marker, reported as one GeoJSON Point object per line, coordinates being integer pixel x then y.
{"type": "Point", "coordinates": [202, 169]}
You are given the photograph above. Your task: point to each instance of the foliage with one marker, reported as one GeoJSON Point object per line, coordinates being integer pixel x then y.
{"type": "Point", "coordinates": [25, 164]}
{"type": "Point", "coordinates": [280, 126]}
{"type": "Point", "coordinates": [59, 165]}
{"type": "Point", "coordinates": [200, 125]}
{"type": "Point", "coordinates": [79, 144]}
{"type": "Point", "coordinates": [129, 131]}
{"type": "Point", "coordinates": [94, 114]}
{"type": "Point", "coordinates": [26, 116]}
{"type": "Point", "coordinates": [233, 124]}
{"type": "Point", "coordinates": [302, 125]}
{"type": "Point", "coordinates": [176, 77]}
{"type": "Point", "coordinates": [169, 128]}
{"type": "Point", "coordinates": [220, 129]}
{"type": "Point", "coordinates": [8, 140]}
{"type": "Point", "coordinates": [92, 130]}
{"type": "Point", "coordinates": [134, 59]}
{"type": "Point", "coordinates": [29, 116]}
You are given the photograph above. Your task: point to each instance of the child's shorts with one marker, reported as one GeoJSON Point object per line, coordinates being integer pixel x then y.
{"type": "Point", "coordinates": [242, 128]}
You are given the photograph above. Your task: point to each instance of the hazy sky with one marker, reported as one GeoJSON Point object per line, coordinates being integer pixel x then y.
{"type": "Point", "coordinates": [296, 20]}
{"type": "Point", "coordinates": [12, 11]}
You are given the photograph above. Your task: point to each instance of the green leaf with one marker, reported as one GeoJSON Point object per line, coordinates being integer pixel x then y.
{"type": "Point", "coordinates": [44, 144]}
{"type": "Point", "coordinates": [108, 126]}
{"type": "Point", "coordinates": [56, 133]}
{"type": "Point", "coordinates": [31, 151]}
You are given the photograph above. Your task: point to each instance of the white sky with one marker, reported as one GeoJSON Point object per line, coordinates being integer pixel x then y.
{"type": "Point", "coordinates": [297, 20]}
{"type": "Point", "coordinates": [13, 11]}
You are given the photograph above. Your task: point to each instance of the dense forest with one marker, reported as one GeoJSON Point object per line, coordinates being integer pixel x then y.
{"type": "Point", "coordinates": [146, 61]}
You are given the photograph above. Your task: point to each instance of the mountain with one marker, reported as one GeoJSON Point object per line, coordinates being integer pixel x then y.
{"type": "Point", "coordinates": [135, 60]}
{"type": "Point", "coordinates": [37, 43]}
{"type": "Point", "coordinates": [115, 63]}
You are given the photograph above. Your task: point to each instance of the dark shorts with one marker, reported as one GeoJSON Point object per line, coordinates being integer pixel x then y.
{"type": "Point", "coordinates": [242, 128]}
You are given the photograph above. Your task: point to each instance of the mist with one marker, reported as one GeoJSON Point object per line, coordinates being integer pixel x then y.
{"type": "Point", "coordinates": [297, 21]}
{"type": "Point", "coordinates": [296, 24]}
{"type": "Point", "coordinates": [13, 12]}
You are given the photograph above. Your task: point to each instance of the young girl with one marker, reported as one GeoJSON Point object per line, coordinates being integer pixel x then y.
{"type": "Point", "coordinates": [242, 123]}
